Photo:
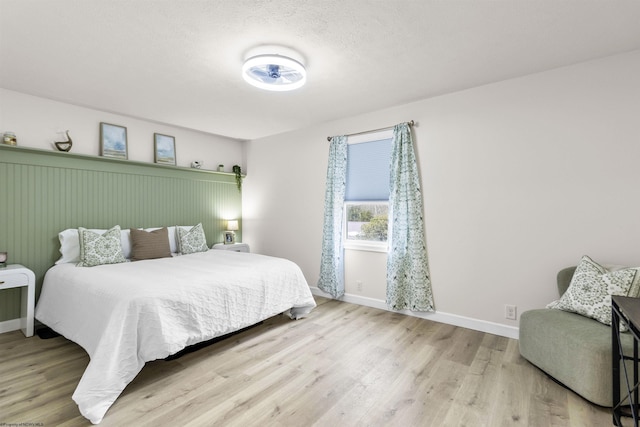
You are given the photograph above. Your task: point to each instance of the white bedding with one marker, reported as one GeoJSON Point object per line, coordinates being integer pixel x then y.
{"type": "Point", "coordinates": [127, 314]}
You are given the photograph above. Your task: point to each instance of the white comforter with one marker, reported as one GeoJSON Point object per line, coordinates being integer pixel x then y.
{"type": "Point", "coordinates": [126, 314]}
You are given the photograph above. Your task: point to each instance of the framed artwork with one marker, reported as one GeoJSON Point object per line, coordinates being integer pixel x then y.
{"type": "Point", "coordinates": [229, 237]}
{"type": "Point", "coordinates": [113, 141]}
{"type": "Point", "coordinates": [165, 149]}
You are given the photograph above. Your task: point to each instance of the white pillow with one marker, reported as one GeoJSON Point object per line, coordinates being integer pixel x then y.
{"type": "Point", "coordinates": [70, 244]}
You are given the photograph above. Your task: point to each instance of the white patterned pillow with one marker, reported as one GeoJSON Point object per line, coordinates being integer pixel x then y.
{"type": "Point", "coordinates": [591, 287]}
{"type": "Point", "coordinates": [98, 249]}
{"type": "Point", "coordinates": [191, 241]}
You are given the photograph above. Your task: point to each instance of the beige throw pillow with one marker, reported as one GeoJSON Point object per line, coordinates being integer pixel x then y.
{"type": "Point", "coordinates": [149, 244]}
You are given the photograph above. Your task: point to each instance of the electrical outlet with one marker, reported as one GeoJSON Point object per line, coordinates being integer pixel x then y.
{"type": "Point", "coordinates": [510, 311]}
{"type": "Point", "coordinates": [359, 285]}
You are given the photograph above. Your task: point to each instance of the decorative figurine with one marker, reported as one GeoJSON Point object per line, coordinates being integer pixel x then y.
{"type": "Point", "coordinates": [9, 138]}
{"type": "Point", "coordinates": [64, 145]}
{"type": "Point", "coordinates": [196, 164]}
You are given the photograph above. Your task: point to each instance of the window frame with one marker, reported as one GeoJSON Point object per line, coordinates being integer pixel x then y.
{"type": "Point", "coordinates": [363, 245]}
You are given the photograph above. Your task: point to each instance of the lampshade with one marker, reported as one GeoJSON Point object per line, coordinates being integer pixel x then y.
{"type": "Point", "coordinates": [274, 71]}
{"type": "Point", "coordinates": [232, 225]}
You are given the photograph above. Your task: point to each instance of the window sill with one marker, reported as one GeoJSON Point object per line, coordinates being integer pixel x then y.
{"type": "Point", "coordinates": [363, 246]}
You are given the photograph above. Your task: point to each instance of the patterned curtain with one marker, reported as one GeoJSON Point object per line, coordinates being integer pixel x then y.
{"type": "Point", "coordinates": [332, 262]}
{"type": "Point", "coordinates": [408, 278]}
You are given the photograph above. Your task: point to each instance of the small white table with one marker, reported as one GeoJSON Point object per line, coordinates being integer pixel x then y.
{"type": "Point", "coordinates": [235, 247]}
{"type": "Point", "coordinates": [18, 276]}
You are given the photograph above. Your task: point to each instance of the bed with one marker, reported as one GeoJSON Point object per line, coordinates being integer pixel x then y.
{"type": "Point", "coordinates": [129, 313]}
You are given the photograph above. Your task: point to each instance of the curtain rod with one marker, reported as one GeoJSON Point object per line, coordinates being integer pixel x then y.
{"type": "Point", "coordinates": [411, 123]}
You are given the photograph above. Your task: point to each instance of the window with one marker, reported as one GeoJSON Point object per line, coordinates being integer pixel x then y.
{"type": "Point", "coordinates": [367, 221]}
{"type": "Point", "coordinates": [366, 208]}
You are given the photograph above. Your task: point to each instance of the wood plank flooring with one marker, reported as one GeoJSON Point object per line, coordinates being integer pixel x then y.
{"type": "Point", "coordinates": [344, 365]}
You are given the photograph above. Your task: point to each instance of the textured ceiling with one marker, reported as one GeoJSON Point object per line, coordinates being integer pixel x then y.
{"type": "Point", "coordinates": [178, 62]}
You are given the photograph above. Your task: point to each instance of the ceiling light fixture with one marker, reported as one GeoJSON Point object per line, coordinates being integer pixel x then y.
{"type": "Point", "coordinates": [274, 68]}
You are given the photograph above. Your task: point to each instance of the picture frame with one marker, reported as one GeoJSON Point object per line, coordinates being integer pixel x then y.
{"type": "Point", "coordinates": [229, 237]}
{"type": "Point", "coordinates": [113, 141]}
{"type": "Point", "coordinates": [165, 149]}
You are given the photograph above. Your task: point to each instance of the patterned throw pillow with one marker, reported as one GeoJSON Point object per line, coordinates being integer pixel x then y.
{"type": "Point", "coordinates": [591, 287]}
{"type": "Point", "coordinates": [97, 249]}
{"type": "Point", "coordinates": [191, 241]}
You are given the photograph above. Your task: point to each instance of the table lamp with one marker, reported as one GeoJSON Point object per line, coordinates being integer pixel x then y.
{"type": "Point", "coordinates": [232, 227]}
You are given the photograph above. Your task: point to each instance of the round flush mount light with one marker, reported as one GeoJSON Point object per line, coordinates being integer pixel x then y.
{"type": "Point", "coordinates": [274, 68]}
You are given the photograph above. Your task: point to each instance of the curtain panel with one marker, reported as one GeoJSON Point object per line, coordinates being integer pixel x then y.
{"type": "Point", "coordinates": [331, 278]}
{"type": "Point", "coordinates": [408, 277]}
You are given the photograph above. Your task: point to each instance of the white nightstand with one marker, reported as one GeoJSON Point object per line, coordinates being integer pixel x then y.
{"type": "Point", "coordinates": [18, 276]}
{"type": "Point", "coordinates": [235, 247]}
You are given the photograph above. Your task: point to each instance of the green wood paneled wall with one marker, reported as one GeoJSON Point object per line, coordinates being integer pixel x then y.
{"type": "Point", "coordinates": [44, 192]}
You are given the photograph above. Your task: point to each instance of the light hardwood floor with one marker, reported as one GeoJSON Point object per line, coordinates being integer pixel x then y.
{"type": "Point", "coordinates": [344, 365]}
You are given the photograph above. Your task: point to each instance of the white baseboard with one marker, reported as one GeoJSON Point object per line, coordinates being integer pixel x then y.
{"type": "Point", "coordinates": [449, 319]}
{"type": "Point", "coordinates": [10, 325]}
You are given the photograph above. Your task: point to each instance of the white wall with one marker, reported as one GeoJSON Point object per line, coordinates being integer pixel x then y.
{"type": "Point", "coordinates": [37, 122]}
{"type": "Point", "coordinates": [520, 179]}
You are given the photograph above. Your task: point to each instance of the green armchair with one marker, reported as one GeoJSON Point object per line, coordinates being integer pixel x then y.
{"type": "Point", "coordinates": [573, 349]}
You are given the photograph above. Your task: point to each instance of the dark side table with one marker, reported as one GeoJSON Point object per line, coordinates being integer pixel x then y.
{"type": "Point", "coordinates": [625, 311]}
